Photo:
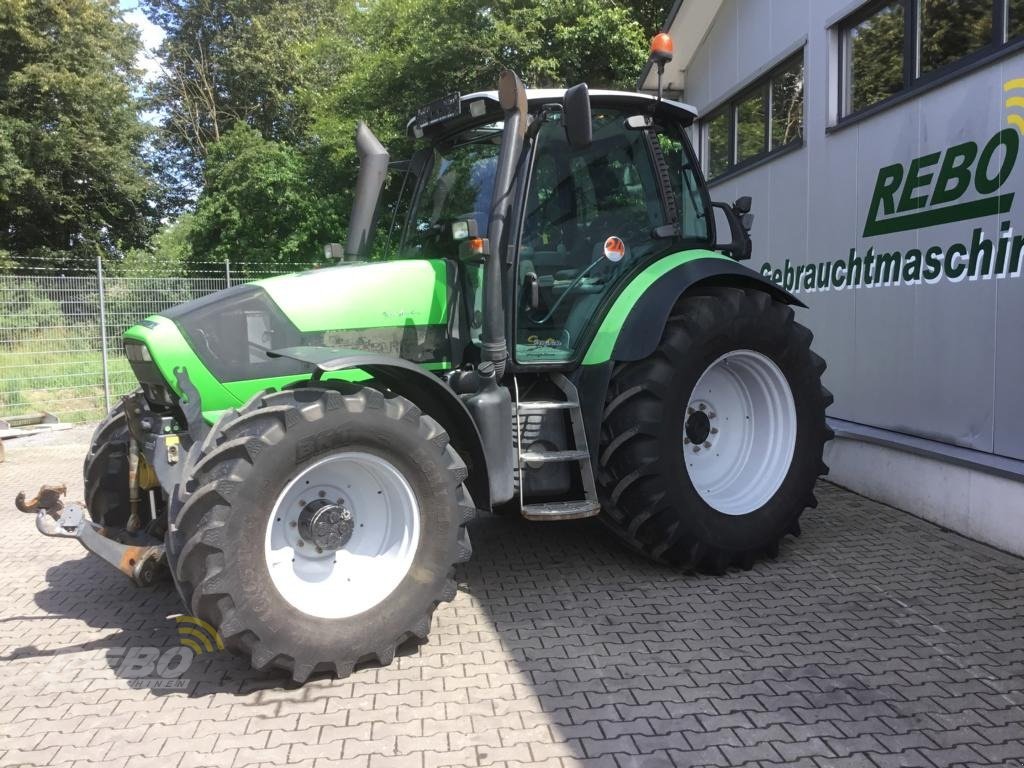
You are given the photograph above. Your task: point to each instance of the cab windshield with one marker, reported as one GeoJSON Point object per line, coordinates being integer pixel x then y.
{"type": "Point", "coordinates": [454, 201]}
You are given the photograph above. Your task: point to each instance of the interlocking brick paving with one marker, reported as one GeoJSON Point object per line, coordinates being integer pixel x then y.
{"type": "Point", "coordinates": [876, 639]}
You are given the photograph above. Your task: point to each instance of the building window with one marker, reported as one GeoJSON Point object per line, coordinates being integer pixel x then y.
{"type": "Point", "coordinates": [875, 56]}
{"type": "Point", "coordinates": [788, 104]}
{"type": "Point", "coordinates": [763, 118]}
{"type": "Point", "coordinates": [951, 30]}
{"type": "Point", "coordinates": [718, 129]}
{"type": "Point", "coordinates": [1015, 20]}
{"type": "Point", "coordinates": [890, 46]}
{"type": "Point", "coordinates": [752, 125]}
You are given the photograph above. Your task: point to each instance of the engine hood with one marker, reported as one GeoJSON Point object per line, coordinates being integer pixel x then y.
{"type": "Point", "coordinates": [363, 295]}
{"type": "Point", "coordinates": [397, 308]}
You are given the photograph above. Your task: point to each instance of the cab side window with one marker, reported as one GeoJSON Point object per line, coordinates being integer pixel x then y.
{"type": "Point", "coordinates": [685, 183]}
{"type": "Point", "coordinates": [578, 201]}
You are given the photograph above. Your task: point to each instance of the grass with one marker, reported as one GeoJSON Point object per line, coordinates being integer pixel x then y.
{"type": "Point", "coordinates": [59, 370]}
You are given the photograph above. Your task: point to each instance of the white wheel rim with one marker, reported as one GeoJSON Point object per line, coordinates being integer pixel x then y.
{"type": "Point", "coordinates": [743, 406]}
{"type": "Point", "coordinates": [335, 583]}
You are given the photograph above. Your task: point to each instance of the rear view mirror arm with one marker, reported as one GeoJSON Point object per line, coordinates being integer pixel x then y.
{"type": "Point", "coordinates": [740, 245]}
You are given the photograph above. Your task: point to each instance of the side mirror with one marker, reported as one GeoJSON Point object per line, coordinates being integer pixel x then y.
{"type": "Point", "coordinates": [742, 204]}
{"type": "Point", "coordinates": [578, 127]}
{"type": "Point", "coordinates": [740, 246]}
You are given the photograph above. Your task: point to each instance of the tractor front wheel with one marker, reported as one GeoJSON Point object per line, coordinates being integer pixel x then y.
{"type": "Point", "coordinates": [712, 445]}
{"type": "Point", "coordinates": [105, 471]}
{"type": "Point", "coordinates": [321, 528]}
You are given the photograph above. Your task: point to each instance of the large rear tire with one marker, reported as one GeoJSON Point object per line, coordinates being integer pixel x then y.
{"type": "Point", "coordinates": [321, 528]}
{"type": "Point", "coordinates": [712, 445]}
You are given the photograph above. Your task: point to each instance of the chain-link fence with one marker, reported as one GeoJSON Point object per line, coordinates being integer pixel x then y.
{"type": "Point", "coordinates": [60, 336]}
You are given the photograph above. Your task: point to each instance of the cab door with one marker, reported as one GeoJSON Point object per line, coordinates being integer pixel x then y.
{"type": "Point", "coordinates": [589, 218]}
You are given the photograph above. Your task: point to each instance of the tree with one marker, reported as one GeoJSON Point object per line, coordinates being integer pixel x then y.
{"type": "Point", "coordinates": [72, 179]}
{"type": "Point", "coordinates": [167, 254]}
{"type": "Point", "coordinates": [260, 207]}
{"type": "Point", "coordinates": [228, 62]}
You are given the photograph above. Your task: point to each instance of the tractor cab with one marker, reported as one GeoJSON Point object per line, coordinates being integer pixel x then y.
{"type": "Point", "coordinates": [584, 215]}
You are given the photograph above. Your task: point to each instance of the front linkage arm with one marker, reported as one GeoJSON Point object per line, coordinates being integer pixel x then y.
{"type": "Point", "coordinates": [141, 559]}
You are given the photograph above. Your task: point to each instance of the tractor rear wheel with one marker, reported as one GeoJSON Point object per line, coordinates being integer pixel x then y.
{"type": "Point", "coordinates": [321, 528]}
{"type": "Point", "coordinates": [712, 445]}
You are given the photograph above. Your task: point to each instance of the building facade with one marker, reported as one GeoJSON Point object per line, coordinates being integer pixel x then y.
{"type": "Point", "coordinates": [881, 144]}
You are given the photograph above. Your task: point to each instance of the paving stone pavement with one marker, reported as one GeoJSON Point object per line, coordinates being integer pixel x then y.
{"type": "Point", "coordinates": [874, 640]}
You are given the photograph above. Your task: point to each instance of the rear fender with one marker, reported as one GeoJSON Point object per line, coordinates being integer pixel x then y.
{"type": "Point", "coordinates": [631, 331]}
{"type": "Point", "coordinates": [426, 390]}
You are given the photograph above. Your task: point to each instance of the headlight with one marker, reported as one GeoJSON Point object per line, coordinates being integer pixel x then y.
{"type": "Point", "coordinates": [137, 353]}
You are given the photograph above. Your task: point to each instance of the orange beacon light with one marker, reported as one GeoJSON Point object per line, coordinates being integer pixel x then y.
{"type": "Point", "coordinates": [661, 47]}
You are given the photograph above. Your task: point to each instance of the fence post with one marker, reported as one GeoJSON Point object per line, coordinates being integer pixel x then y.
{"type": "Point", "coordinates": [227, 270]}
{"type": "Point", "coordinates": [103, 332]}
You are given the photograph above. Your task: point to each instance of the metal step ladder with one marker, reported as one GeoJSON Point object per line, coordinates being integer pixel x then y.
{"type": "Point", "coordinates": [578, 454]}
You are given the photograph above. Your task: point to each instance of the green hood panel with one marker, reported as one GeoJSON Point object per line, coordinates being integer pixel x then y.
{"type": "Point", "coordinates": [398, 308]}
{"type": "Point", "coordinates": [364, 295]}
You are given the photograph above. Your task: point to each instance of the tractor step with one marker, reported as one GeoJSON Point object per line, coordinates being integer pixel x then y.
{"type": "Point", "coordinates": [546, 457]}
{"type": "Point", "coordinates": [575, 452]}
{"type": "Point", "coordinates": [561, 510]}
{"type": "Point", "coordinates": [540, 406]}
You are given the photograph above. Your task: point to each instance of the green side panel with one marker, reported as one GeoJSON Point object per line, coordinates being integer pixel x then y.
{"type": "Point", "coordinates": [600, 349]}
{"type": "Point", "coordinates": [170, 350]}
{"type": "Point", "coordinates": [243, 390]}
{"type": "Point", "coordinates": [371, 295]}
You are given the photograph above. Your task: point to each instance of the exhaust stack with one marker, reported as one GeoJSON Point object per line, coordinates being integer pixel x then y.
{"type": "Point", "coordinates": [373, 169]}
{"type": "Point", "coordinates": [512, 97]}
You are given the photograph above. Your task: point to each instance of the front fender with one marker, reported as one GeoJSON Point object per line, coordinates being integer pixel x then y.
{"type": "Point", "coordinates": [632, 328]}
{"type": "Point", "coordinates": [420, 386]}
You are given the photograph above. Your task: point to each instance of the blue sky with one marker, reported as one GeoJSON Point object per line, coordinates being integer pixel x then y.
{"type": "Point", "coordinates": [151, 36]}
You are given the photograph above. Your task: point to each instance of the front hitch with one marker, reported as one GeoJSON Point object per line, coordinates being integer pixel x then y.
{"type": "Point", "coordinates": [141, 558]}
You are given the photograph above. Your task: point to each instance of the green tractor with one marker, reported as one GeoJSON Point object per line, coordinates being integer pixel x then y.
{"type": "Point", "coordinates": [558, 333]}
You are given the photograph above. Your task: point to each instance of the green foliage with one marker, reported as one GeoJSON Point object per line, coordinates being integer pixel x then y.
{"type": "Point", "coordinates": [555, 44]}
{"type": "Point", "coordinates": [229, 62]}
{"type": "Point", "coordinates": [260, 207]}
{"type": "Point", "coordinates": [167, 254]}
{"type": "Point", "coordinates": [72, 181]}
{"type": "Point", "coordinates": [259, 101]}
{"type": "Point", "coordinates": [389, 57]}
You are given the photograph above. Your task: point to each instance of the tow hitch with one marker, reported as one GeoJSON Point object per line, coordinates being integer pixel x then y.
{"type": "Point", "coordinates": [140, 557]}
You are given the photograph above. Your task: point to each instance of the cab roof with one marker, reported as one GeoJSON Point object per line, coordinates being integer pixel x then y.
{"type": "Point", "coordinates": [643, 102]}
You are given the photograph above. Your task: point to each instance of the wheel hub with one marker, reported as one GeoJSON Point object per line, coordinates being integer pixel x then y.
{"type": "Point", "coordinates": [328, 526]}
{"type": "Point", "coordinates": [698, 427]}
